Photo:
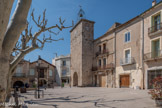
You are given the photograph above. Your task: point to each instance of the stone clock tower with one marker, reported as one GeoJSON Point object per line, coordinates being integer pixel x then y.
{"type": "Point", "coordinates": [82, 51]}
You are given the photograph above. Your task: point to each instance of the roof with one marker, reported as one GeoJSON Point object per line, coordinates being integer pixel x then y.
{"type": "Point", "coordinates": [80, 22]}
{"type": "Point", "coordinates": [116, 24]}
{"type": "Point", "coordinates": [112, 29]}
{"type": "Point", "coordinates": [151, 8]}
{"type": "Point", "coordinates": [62, 57]}
{"type": "Point", "coordinates": [44, 61]}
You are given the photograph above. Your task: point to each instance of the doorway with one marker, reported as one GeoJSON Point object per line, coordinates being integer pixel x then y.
{"type": "Point", "coordinates": [75, 79]}
{"type": "Point", "coordinates": [124, 81]}
{"type": "Point", "coordinates": [103, 81]}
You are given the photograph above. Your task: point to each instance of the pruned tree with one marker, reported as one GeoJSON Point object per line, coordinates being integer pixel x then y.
{"type": "Point", "coordinates": [17, 37]}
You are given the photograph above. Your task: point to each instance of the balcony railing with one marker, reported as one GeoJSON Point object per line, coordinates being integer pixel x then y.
{"type": "Point", "coordinates": [102, 52]}
{"type": "Point", "coordinates": [127, 61]}
{"type": "Point", "coordinates": [65, 74]}
{"type": "Point", "coordinates": [153, 55]}
{"type": "Point", "coordinates": [108, 66]}
{"type": "Point", "coordinates": [154, 29]}
{"type": "Point", "coordinates": [19, 75]}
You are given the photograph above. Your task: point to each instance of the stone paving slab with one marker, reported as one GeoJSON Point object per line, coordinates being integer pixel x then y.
{"type": "Point", "coordinates": [90, 98]}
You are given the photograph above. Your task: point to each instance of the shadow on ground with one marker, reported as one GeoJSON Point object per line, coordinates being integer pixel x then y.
{"type": "Point", "coordinates": [96, 103]}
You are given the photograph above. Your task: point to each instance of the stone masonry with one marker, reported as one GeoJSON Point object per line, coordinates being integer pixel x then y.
{"type": "Point", "coordinates": [82, 53]}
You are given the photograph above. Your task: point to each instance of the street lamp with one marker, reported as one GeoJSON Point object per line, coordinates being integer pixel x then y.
{"type": "Point", "coordinates": [38, 69]}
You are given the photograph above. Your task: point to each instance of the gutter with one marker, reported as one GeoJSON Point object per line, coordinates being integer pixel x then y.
{"type": "Point", "coordinates": [115, 59]}
{"type": "Point", "coordinates": [143, 69]}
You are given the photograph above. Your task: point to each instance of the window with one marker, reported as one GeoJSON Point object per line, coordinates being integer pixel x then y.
{"type": "Point", "coordinates": [32, 72]}
{"type": "Point", "coordinates": [156, 22]}
{"type": "Point", "coordinates": [99, 62]}
{"type": "Point", "coordinates": [127, 53]}
{"type": "Point", "coordinates": [127, 56]}
{"type": "Point", "coordinates": [100, 48]}
{"type": "Point", "coordinates": [64, 63]}
{"type": "Point", "coordinates": [104, 61]}
{"type": "Point", "coordinates": [104, 48]}
{"type": "Point", "coordinates": [50, 72]}
{"type": "Point", "coordinates": [41, 73]}
{"type": "Point", "coordinates": [155, 51]}
{"type": "Point", "coordinates": [151, 75]}
{"type": "Point", "coordinates": [18, 69]}
{"type": "Point", "coordinates": [127, 37]}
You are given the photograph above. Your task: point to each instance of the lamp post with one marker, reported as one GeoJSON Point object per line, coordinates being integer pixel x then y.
{"type": "Point", "coordinates": [38, 69]}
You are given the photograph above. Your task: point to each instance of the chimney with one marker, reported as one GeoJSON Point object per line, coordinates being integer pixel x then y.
{"type": "Point", "coordinates": [154, 3]}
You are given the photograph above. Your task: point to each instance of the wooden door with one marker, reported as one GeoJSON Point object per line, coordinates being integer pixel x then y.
{"type": "Point", "coordinates": [102, 81]}
{"type": "Point", "coordinates": [124, 81]}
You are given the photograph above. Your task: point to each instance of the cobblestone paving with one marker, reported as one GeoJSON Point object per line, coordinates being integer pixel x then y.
{"type": "Point", "coordinates": [90, 98]}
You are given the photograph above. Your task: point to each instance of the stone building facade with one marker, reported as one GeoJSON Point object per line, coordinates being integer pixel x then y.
{"type": "Point", "coordinates": [152, 21]}
{"type": "Point", "coordinates": [62, 64]}
{"type": "Point", "coordinates": [127, 55]}
{"type": "Point", "coordinates": [26, 73]}
{"type": "Point", "coordinates": [82, 53]}
{"type": "Point", "coordinates": [20, 76]}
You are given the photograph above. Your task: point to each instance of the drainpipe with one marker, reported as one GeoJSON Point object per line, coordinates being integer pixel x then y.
{"type": "Point", "coordinates": [107, 79]}
{"type": "Point", "coordinates": [143, 69]}
{"type": "Point", "coordinates": [115, 61]}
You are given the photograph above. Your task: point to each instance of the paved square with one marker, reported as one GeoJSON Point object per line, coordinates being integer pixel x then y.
{"type": "Point", "coordinates": [91, 98]}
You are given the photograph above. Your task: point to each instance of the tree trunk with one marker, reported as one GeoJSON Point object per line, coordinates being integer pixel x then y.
{"type": "Point", "coordinates": [4, 64]}
{"type": "Point", "coordinates": [9, 86]}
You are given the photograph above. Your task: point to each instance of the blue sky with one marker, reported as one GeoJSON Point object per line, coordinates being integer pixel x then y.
{"type": "Point", "coordinates": [103, 12]}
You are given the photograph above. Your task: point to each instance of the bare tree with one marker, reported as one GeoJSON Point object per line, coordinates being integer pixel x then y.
{"type": "Point", "coordinates": [11, 31]}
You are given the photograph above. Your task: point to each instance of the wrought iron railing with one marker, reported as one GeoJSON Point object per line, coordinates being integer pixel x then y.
{"type": "Point", "coordinates": [102, 52]}
{"type": "Point", "coordinates": [126, 61]}
{"type": "Point", "coordinates": [154, 29]}
{"type": "Point", "coordinates": [65, 74]}
{"type": "Point", "coordinates": [153, 55]}
{"type": "Point", "coordinates": [19, 75]}
{"type": "Point", "coordinates": [104, 67]}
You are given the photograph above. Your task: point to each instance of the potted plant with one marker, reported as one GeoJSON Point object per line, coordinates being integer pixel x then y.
{"type": "Point", "coordinates": [156, 92]}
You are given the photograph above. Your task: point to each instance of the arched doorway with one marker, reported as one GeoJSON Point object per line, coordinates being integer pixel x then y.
{"type": "Point", "coordinates": [18, 84]}
{"type": "Point", "coordinates": [75, 79]}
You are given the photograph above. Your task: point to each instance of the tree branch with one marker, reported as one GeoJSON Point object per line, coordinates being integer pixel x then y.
{"type": "Point", "coordinates": [20, 56]}
{"type": "Point", "coordinates": [35, 42]}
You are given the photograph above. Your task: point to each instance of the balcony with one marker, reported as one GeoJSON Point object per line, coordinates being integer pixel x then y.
{"type": "Point", "coordinates": [19, 75]}
{"type": "Point", "coordinates": [127, 61]}
{"type": "Point", "coordinates": [154, 30]}
{"type": "Point", "coordinates": [102, 68]}
{"type": "Point", "coordinates": [65, 74]}
{"type": "Point", "coordinates": [153, 55]}
{"type": "Point", "coordinates": [102, 52]}
{"type": "Point", "coordinates": [64, 66]}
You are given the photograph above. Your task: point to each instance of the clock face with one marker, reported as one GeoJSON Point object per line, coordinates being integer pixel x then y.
{"type": "Point", "coordinates": [87, 28]}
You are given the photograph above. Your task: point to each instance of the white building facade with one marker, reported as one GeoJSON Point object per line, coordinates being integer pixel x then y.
{"type": "Point", "coordinates": [62, 64]}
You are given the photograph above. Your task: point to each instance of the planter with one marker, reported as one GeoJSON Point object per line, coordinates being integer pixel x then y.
{"type": "Point", "coordinates": [158, 102]}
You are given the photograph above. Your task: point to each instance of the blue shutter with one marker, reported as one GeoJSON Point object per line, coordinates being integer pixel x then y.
{"type": "Point", "coordinates": [128, 36]}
